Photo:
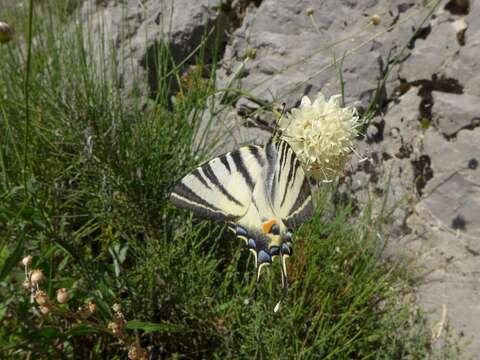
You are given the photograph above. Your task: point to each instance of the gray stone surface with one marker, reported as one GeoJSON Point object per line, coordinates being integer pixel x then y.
{"type": "Point", "coordinates": [226, 130]}
{"type": "Point", "coordinates": [295, 53]}
{"type": "Point", "coordinates": [454, 112]}
{"type": "Point", "coordinates": [135, 28]}
{"type": "Point", "coordinates": [453, 194]}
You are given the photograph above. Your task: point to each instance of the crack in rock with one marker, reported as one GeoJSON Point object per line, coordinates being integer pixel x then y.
{"type": "Point", "coordinates": [458, 7]}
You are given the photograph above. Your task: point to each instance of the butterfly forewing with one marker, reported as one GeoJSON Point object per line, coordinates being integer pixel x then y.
{"type": "Point", "coordinates": [222, 188]}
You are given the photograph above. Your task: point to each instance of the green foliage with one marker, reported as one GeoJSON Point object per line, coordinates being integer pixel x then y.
{"type": "Point", "coordinates": [83, 189]}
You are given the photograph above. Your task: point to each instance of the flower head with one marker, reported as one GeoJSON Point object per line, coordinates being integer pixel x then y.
{"type": "Point", "coordinates": [136, 352]}
{"type": "Point", "coordinates": [6, 32]}
{"type": "Point", "coordinates": [322, 134]}
{"type": "Point", "coordinates": [376, 19]}
{"type": "Point", "coordinates": [41, 297]}
{"type": "Point", "coordinates": [63, 295]}
{"type": "Point", "coordinates": [44, 309]}
{"type": "Point", "coordinates": [27, 260]}
{"type": "Point", "coordinates": [117, 308]}
{"type": "Point", "coordinates": [37, 276]}
{"type": "Point", "coordinates": [87, 310]}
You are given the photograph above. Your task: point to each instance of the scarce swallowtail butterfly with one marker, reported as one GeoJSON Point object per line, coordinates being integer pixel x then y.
{"type": "Point", "coordinates": [261, 191]}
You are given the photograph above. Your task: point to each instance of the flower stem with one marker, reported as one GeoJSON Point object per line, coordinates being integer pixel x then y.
{"type": "Point", "coordinates": [27, 93]}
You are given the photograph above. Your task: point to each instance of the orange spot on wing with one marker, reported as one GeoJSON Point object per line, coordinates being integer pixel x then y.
{"type": "Point", "coordinates": [267, 226]}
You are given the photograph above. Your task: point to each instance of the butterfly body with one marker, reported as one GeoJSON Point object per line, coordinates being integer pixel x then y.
{"type": "Point", "coordinates": [261, 191]}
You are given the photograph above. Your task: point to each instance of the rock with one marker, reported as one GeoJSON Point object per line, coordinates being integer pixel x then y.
{"type": "Point", "coordinates": [297, 54]}
{"type": "Point", "coordinates": [135, 29]}
{"type": "Point", "coordinates": [392, 144]}
{"type": "Point", "coordinates": [465, 66]}
{"type": "Point", "coordinates": [454, 112]}
{"type": "Point", "coordinates": [437, 37]}
{"type": "Point", "coordinates": [223, 128]}
{"type": "Point", "coordinates": [449, 261]}
{"type": "Point", "coordinates": [453, 195]}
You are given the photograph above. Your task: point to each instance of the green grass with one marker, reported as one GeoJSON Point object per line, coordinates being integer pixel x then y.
{"type": "Point", "coordinates": [83, 189]}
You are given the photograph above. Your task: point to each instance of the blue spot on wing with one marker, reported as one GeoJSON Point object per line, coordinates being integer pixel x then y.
{"type": "Point", "coordinates": [264, 257]}
{"type": "Point", "coordinates": [240, 231]}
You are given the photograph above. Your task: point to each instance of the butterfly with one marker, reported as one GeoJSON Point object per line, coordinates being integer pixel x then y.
{"type": "Point", "coordinates": [262, 192]}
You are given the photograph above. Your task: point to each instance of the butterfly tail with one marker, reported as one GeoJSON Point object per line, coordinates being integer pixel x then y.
{"type": "Point", "coordinates": [283, 269]}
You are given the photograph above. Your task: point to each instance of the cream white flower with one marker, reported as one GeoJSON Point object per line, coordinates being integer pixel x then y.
{"type": "Point", "coordinates": [322, 134]}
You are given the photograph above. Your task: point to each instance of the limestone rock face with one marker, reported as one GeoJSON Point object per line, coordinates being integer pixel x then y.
{"type": "Point", "coordinates": [131, 31]}
{"type": "Point", "coordinates": [299, 45]}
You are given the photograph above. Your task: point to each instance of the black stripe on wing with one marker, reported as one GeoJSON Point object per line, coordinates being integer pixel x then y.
{"type": "Point", "coordinates": [225, 163]}
{"type": "Point", "coordinates": [207, 170]}
{"type": "Point", "coordinates": [184, 197]}
{"type": "Point", "coordinates": [221, 189]}
{"type": "Point", "coordinates": [239, 164]}
{"type": "Point", "coordinates": [292, 171]}
{"type": "Point", "coordinates": [200, 178]}
{"type": "Point", "coordinates": [302, 209]}
{"type": "Point", "coordinates": [290, 192]}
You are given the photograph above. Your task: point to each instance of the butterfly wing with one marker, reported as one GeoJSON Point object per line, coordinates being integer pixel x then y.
{"type": "Point", "coordinates": [222, 188]}
{"type": "Point", "coordinates": [288, 186]}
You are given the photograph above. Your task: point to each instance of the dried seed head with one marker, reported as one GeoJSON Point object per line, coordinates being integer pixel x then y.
{"type": "Point", "coordinates": [63, 296]}
{"type": "Point", "coordinates": [310, 11]}
{"type": "Point", "coordinates": [375, 19]}
{"type": "Point", "coordinates": [44, 309]}
{"type": "Point", "coordinates": [27, 284]}
{"type": "Point", "coordinates": [117, 307]}
{"type": "Point", "coordinates": [92, 307]}
{"type": "Point", "coordinates": [84, 312]}
{"type": "Point", "coordinates": [27, 260]}
{"type": "Point", "coordinates": [136, 352]}
{"type": "Point", "coordinates": [41, 297]}
{"type": "Point", "coordinates": [87, 310]}
{"type": "Point", "coordinates": [114, 327]}
{"type": "Point", "coordinates": [6, 33]}
{"type": "Point", "coordinates": [37, 276]}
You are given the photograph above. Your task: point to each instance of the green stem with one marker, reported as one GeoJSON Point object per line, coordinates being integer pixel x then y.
{"type": "Point", "coordinates": [27, 93]}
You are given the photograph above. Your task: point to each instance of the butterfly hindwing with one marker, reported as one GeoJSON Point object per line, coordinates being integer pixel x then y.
{"type": "Point", "coordinates": [222, 188]}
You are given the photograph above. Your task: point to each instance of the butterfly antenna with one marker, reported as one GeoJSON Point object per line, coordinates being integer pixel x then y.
{"type": "Point", "coordinates": [282, 114]}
